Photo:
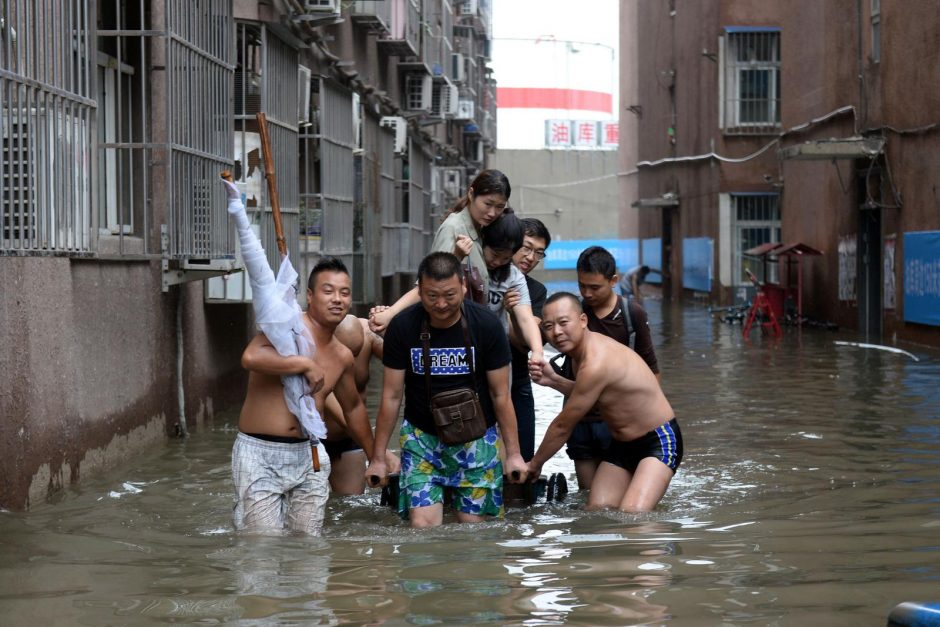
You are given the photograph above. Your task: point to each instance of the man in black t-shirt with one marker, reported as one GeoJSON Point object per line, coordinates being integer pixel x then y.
{"type": "Point", "coordinates": [606, 314]}
{"type": "Point", "coordinates": [472, 470]}
{"type": "Point", "coordinates": [535, 241]}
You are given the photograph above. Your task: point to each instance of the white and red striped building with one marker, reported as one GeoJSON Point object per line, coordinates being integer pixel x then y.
{"type": "Point", "coordinates": [556, 71]}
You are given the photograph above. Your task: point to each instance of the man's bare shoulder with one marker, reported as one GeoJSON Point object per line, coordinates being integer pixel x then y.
{"type": "Point", "coordinates": [339, 352]}
{"type": "Point", "coordinates": [602, 352]}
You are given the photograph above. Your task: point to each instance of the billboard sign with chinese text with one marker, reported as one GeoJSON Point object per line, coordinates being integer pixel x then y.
{"type": "Point", "coordinates": [582, 134]}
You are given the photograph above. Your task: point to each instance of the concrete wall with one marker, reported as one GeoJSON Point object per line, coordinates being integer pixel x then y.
{"type": "Point", "coordinates": [547, 184]}
{"type": "Point", "coordinates": [89, 352]}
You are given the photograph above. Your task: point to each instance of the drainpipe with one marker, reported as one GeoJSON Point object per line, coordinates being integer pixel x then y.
{"type": "Point", "coordinates": [862, 100]}
{"type": "Point", "coordinates": [181, 430]}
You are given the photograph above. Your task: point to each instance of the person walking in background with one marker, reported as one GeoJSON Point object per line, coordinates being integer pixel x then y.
{"type": "Point", "coordinates": [444, 344]}
{"type": "Point", "coordinates": [632, 280]}
{"type": "Point", "coordinates": [485, 201]}
{"type": "Point", "coordinates": [622, 320]}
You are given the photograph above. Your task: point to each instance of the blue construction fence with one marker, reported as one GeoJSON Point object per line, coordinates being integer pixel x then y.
{"type": "Point", "coordinates": [697, 253]}
{"type": "Point", "coordinates": [922, 277]}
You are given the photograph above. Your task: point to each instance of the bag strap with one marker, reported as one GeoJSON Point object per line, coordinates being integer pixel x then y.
{"type": "Point", "coordinates": [426, 350]}
{"type": "Point", "coordinates": [627, 320]}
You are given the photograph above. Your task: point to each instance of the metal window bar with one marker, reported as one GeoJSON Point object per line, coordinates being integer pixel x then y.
{"type": "Point", "coordinates": [374, 140]}
{"type": "Point", "coordinates": [757, 221]}
{"type": "Point", "coordinates": [419, 205]}
{"type": "Point", "coordinates": [168, 129]}
{"type": "Point", "coordinates": [447, 38]}
{"type": "Point", "coordinates": [404, 36]}
{"type": "Point", "coordinates": [376, 14]}
{"type": "Point", "coordinates": [752, 82]}
{"type": "Point", "coordinates": [389, 200]}
{"type": "Point", "coordinates": [266, 80]}
{"type": "Point", "coordinates": [47, 126]}
{"type": "Point", "coordinates": [337, 171]}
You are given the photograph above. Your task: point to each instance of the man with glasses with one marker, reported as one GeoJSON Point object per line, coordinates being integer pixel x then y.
{"type": "Point", "coordinates": [534, 243]}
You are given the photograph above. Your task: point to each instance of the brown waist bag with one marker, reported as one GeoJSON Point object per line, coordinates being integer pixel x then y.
{"type": "Point", "coordinates": [458, 414]}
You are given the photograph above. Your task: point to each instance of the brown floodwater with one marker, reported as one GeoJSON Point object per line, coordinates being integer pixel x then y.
{"type": "Point", "coordinates": [809, 494]}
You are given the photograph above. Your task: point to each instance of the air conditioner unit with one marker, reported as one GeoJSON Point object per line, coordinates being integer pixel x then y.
{"type": "Point", "coordinates": [458, 70]}
{"type": "Point", "coordinates": [464, 109]}
{"type": "Point", "coordinates": [321, 6]}
{"type": "Point", "coordinates": [303, 94]}
{"type": "Point", "coordinates": [469, 7]}
{"type": "Point", "coordinates": [450, 96]}
{"type": "Point", "coordinates": [444, 100]}
{"type": "Point", "coordinates": [437, 100]}
{"type": "Point", "coordinates": [400, 126]}
{"type": "Point", "coordinates": [418, 91]}
{"type": "Point", "coordinates": [452, 181]}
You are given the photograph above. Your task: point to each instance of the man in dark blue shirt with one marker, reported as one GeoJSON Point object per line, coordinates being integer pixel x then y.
{"type": "Point", "coordinates": [472, 470]}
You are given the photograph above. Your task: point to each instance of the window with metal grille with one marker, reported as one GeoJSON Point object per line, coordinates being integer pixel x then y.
{"type": "Point", "coordinates": [751, 80]}
{"type": "Point", "coordinates": [266, 79]}
{"type": "Point", "coordinates": [46, 125]}
{"type": "Point", "coordinates": [122, 107]}
{"type": "Point", "coordinates": [164, 130]}
{"type": "Point", "coordinates": [756, 222]}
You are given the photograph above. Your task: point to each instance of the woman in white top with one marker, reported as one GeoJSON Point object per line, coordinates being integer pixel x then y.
{"type": "Point", "coordinates": [485, 201]}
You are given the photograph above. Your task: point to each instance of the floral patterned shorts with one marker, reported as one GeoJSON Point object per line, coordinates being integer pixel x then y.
{"type": "Point", "coordinates": [473, 470]}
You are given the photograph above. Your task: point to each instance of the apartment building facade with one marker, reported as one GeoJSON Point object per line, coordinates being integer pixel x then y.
{"type": "Point", "coordinates": [747, 123]}
{"type": "Point", "coordinates": [123, 312]}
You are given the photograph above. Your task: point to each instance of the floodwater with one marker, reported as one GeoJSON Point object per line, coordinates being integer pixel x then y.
{"type": "Point", "coordinates": [809, 494]}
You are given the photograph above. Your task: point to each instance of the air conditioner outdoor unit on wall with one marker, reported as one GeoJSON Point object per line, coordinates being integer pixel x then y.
{"type": "Point", "coordinates": [450, 97]}
{"type": "Point", "coordinates": [452, 181]}
{"type": "Point", "coordinates": [464, 109]}
{"type": "Point", "coordinates": [418, 91]}
{"type": "Point", "coordinates": [321, 6]}
{"type": "Point", "coordinates": [303, 94]}
{"type": "Point", "coordinates": [400, 126]}
{"type": "Point", "coordinates": [458, 70]}
{"type": "Point", "coordinates": [469, 7]}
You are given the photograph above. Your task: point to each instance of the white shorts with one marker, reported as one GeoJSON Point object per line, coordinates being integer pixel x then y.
{"type": "Point", "coordinates": [276, 487]}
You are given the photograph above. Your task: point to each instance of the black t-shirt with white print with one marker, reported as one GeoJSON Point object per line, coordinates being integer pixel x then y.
{"type": "Point", "coordinates": [449, 368]}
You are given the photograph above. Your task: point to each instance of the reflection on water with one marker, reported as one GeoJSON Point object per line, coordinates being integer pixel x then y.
{"type": "Point", "coordinates": [810, 494]}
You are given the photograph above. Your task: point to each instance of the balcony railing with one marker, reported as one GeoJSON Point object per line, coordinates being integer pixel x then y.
{"type": "Point", "coordinates": [373, 14]}
{"type": "Point", "coordinates": [403, 39]}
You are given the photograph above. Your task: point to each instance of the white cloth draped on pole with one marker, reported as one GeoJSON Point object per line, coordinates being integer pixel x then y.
{"type": "Point", "coordinates": [277, 314]}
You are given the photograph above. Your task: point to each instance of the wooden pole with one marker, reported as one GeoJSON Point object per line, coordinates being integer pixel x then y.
{"type": "Point", "coordinates": [272, 182]}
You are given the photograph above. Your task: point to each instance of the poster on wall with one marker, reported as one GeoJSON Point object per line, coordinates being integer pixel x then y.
{"type": "Point", "coordinates": [922, 277]}
{"type": "Point", "coordinates": [847, 268]}
{"type": "Point", "coordinates": [890, 286]}
{"type": "Point", "coordinates": [697, 256]}
{"type": "Point", "coordinates": [651, 254]}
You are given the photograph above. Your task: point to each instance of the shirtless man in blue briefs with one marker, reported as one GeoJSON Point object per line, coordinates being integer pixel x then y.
{"type": "Point", "coordinates": [647, 444]}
